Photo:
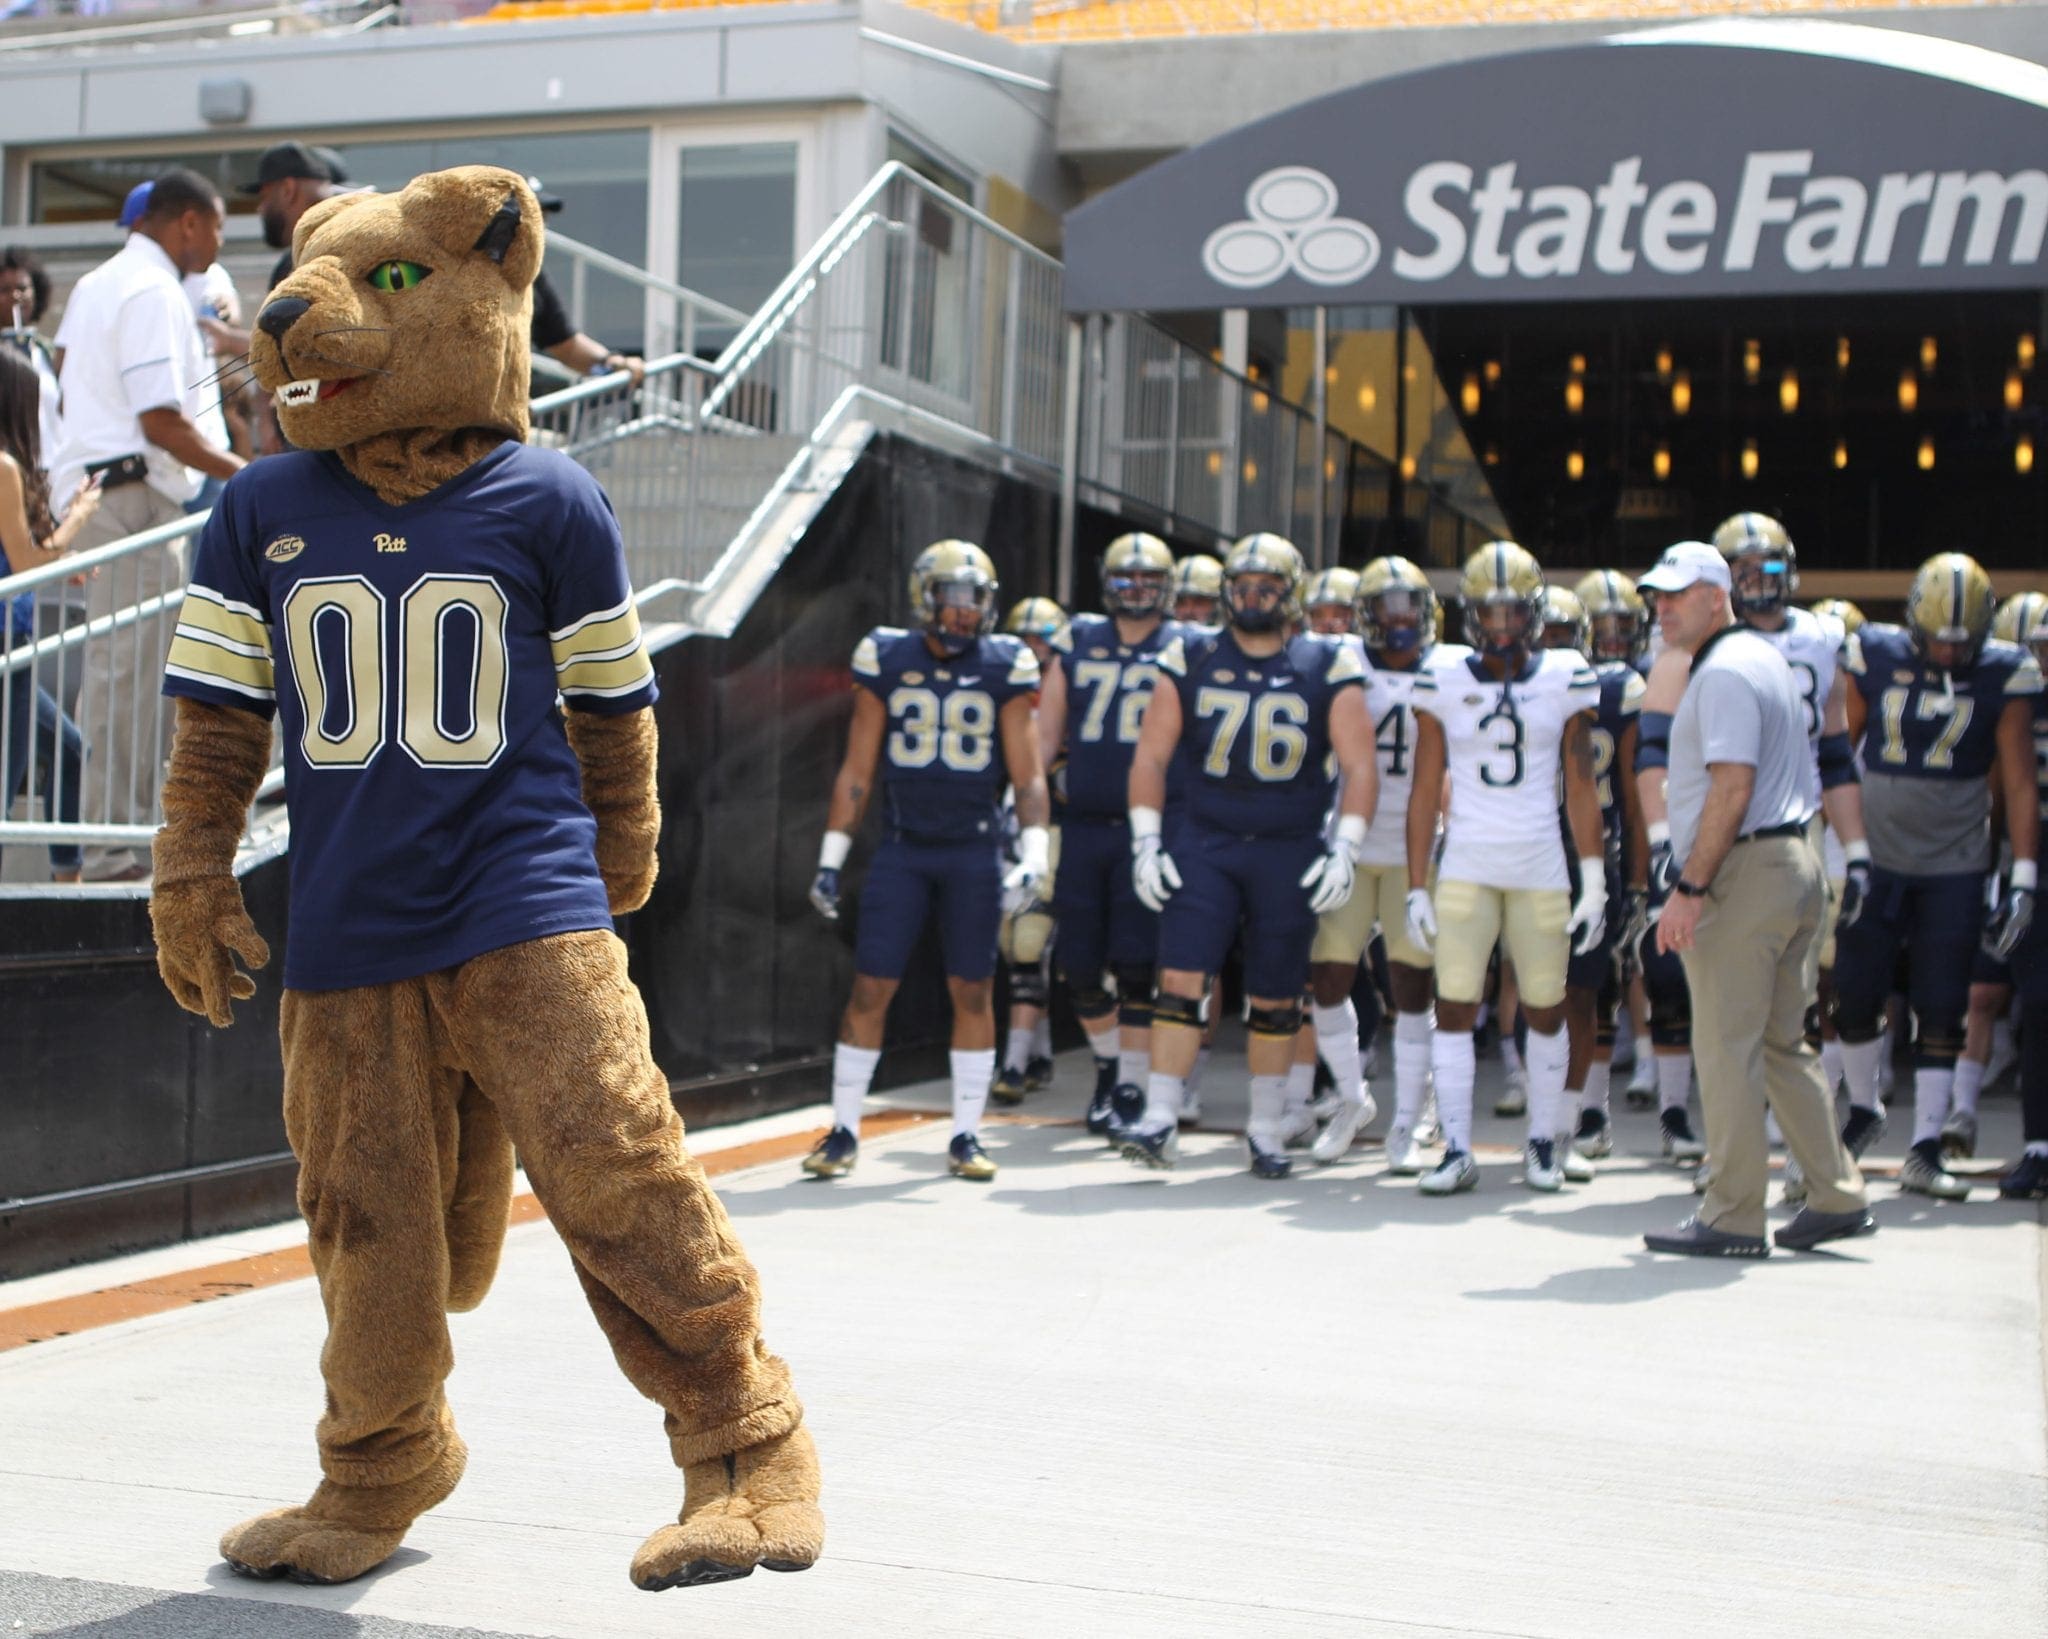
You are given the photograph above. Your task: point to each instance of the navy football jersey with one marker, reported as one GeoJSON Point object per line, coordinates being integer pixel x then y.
{"type": "Point", "coordinates": [1929, 739]}
{"type": "Point", "coordinates": [1255, 731]}
{"type": "Point", "coordinates": [943, 772]}
{"type": "Point", "coordinates": [413, 655]}
{"type": "Point", "coordinates": [1109, 684]}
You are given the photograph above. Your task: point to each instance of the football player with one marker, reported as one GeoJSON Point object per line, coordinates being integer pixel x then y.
{"type": "Point", "coordinates": [1328, 602]}
{"type": "Point", "coordinates": [1257, 717]}
{"type": "Point", "coordinates": [1026, 941]}
{"type": "Point", "coordinates": [1397, 621]}
{"type": "Point", "coordinates": [1197, 590]}
{"type": "Point", "coordinates": [1509, 722]}
{"type": "Point", "coordinates": [1844, 618]}
{"type": "Point", "coordinates": [2028, 1180]}
{"type": "Point", "coordinates": [946, 712]}
{"type": "Point", "coordinates": [1089, 711]}
{"type": "Point", "coordinates": [1939, 707]}
{"type": "Point", "coordinates": [1609, 624]}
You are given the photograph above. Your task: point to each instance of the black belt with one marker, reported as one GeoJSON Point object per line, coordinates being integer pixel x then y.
{"type": "Point", "coordinates": [123, 469]}
{"type": "Point", "coordinates": [1791, 828]}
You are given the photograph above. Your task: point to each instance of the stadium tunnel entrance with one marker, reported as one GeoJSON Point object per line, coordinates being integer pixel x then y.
{"type": "Point", "coordinates": [1600, 296]}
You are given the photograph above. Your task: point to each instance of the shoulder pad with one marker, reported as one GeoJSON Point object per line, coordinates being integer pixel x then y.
{"type": "Point", "coordinates": [1173, 659]}
{"type": "Point", "coordinates": [2025, 677]}
{"type": "Point", "coordinates": [867, 658]}
{"type": "Point", "coordinates": [1016, 654]}
{"type": "Point", "coordinates": [1852, 654]}
{"type": "Point", "coordinates": [1633, 689]}
{"type": "Point", "coordinates": [1347, 663]}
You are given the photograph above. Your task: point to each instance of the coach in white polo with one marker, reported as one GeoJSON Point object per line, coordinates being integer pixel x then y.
{"type": "Point", "coordinates": [135, 368]}
{"type": "Point", "coordinates": [1744, 916]}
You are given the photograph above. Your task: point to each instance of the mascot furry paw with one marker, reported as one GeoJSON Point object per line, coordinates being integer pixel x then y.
{"type": "Point", "coordinates": [409, 592]}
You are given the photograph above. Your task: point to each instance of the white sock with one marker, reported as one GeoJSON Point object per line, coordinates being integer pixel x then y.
{"type": "Point", "coordinates": [1549, 1057]}
{"type": "Point", "coordinates": [1300, 1082]}
{"type": "Point", "coordinates": [1624, 1035]}
{"type": "Point", "coordinates": [1106, 1043]}
{"type": "Point", "coordinates": [1016, 1049]}
{"type": "Point", "coordinates": [1162, 1102]}
{"type": "Point", "coordinates": [1831, 1063]}
{"type": "Point", "coordinates": [1451, 1058]}
{"type": "Point", "coordinates": [1041, 1038]}
{"type": "Point", "coordinates": [971, 1071]}
{"type": "Point", "coordinates": [1968, 1085]}
{"type": "Point", "coordinates": [1132, 1068]}
{"type": "Point", "coordinates": [2003, 1048]}
{"type": "Point", "coordinates": [1599, 1076]}
{"type": "Point", "coordinates": [1930, 1101]}
{"type": "Point", "coordinates": [1859, 1071]}
{"type": "Point", "coordinates": [1774, 1135]}
{"type": "Point", "coordinates": [1337, 1041]}
{"type": "Point", "coordinates": [1674, 1081]}
{"type": "Point", "coordinates": [1510, 1054]}
{"type": "Point", "coordinates": [1887, 1072]}
{"type": "Point", "coordinates": [853, 1070]}
{"type": "Point", "coordinates": [1643, 1078]}
{"type": "Point", "coordinates": [1194, 1078]}
{"type": "Point", "coordinates": [1269, 1105]}
{"type": "Point", "coordinates": [1412, 1035]}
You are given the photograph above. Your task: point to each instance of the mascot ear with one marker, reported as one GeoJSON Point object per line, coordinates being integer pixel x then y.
{"type": "Point", "coordinates": [319, 213]}
{"type": "Point", "coordinates": [480, 210]}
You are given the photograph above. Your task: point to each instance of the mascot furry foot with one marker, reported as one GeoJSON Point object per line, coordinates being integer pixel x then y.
{"type": "Point", "coordinates": [343, 1531]}
{"type": "Point", "coordinates": [756, 1507]}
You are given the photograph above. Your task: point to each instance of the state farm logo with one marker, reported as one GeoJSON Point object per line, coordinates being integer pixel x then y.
{"type": "Point", "coordinates": [1293, 228]}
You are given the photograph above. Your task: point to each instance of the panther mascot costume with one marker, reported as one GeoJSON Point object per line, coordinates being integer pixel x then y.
{"type": "Point", "coordinates": [410, 591]}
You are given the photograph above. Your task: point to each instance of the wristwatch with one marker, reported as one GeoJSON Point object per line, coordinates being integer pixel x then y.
{"type": "Point", "coordinates": [1689, 889]}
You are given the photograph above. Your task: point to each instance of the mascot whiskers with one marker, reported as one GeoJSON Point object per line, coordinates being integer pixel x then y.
{"type": "Point", "coordinates": [408, 593]}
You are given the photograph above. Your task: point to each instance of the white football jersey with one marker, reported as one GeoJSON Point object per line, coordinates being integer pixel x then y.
{"type": "Point", "coordinates": [1811, 646]}
{"type": "Point", "coordinates": [1504, 743]}
{"type": "Point", "coordinates": [1389, 697]}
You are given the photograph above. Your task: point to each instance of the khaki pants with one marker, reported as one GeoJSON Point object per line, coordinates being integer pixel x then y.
{"type": "Point", "coordinates": [121, 709]}
{"type": "Point", "coordinates": [1751, 972]}
{"type": "Point", "coordinates": [1378, 898]}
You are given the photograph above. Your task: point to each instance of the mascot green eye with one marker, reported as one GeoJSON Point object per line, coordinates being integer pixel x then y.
{"type": "Point", "coordinates": [398, 275]}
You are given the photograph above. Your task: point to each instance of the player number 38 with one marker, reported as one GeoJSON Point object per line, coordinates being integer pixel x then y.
{"type": "Point", "coordinates": [958, 731]}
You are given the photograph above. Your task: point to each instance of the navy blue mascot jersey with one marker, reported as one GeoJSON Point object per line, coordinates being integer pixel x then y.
{"type": "Point", "coordinates": [1109, 684]}
{"type": "Point", "coordinates": [413, 655]}
{"type": "Point", "coordinates": [943, 772]}
{"type": "Point", "coordinates": [1929, 739]}
{"type": "Point", "coordinates": [1255, 732]}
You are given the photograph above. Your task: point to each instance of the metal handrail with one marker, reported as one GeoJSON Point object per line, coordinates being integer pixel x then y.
{"type": "Point", "coordinates": [619, 268]}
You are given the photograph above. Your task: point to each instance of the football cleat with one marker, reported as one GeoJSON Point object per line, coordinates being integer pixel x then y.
{"type": "Point", "coordinates": [1159, 1149]}
{"type": "Point", "coordinates": [1404, 1152]}
{"type": "Point", "coordinates": [1453, 1175]}
{"type": "Point", "coordinates": [1641, 1091]}
{"type": "Point", "coordinates": [833, 1155]}
{"type": "Point", "coordinates": [1539, 1165]}
{"type": "Point", "coordinates": [1100, 1110]}
{"type": "Point", "coordinates": [1577, 1169]}
{"type": "Point", "coordinates": [1297, 1127]}
{"type": "Point", "coordinates": [1126, 1105]}
{"type": "Point", "coordinates": [1267, 1162]}
{"type": "Point", "coordinates": [1923, 1174]}
{"type": "Point", "coordinates": [1009, 1086]}
{"type": "Point", "coordinates": [1864, 1127]}
{"type": "Point", "coordinates": [1334, 1142]}
{"type": "Point", "coordinates": [1037, 1074]}
{"type": "Point", "coordinates": [1595, 1137]}
{"type": "Point", "coordinates": [1514, 1095]}
{"type": "Point", "coordinates": [967, 1159]}
{"type": "Point", "coordinates": [1680, 1143]}
{"type": "Point", "coordinates": [1959, 1135]}
{"type": "Point", "coordinates": [2028, 1180]}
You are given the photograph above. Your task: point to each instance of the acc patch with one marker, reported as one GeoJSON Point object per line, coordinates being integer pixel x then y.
{"type": "Point", "coordinates": [284, 549]}
{"type": "Point", "coordinates": [1226, 676]}
{"type": "Point", "coordinates": [1098, 651]}
{"type": "Point", "coordinates": [913, 678]}
{"type": "Point", "coordinates": [1902, 676]}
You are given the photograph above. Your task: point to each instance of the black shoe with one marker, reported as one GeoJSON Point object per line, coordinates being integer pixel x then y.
{"type": "Point", "coordinates": [1037, 1074]}
{"type": "Point", "coordinates": [1100, 1110]}
{"type": "Point", "coordinates": [833, 1155]}
{"type": "Point", "coordinates": [1697, 1240]}
{"type": "Point", "coordinates": [1680, 1142]}
{"type": "Point", "coordinates": [1810, 1228]}
{"type": "Point", "coordinates": [1268, 1163]}
{"type": "Point", "coordinates": [2028, 1181]}
{"type": "Point", "coordinates": [1863, 1128]}
{"type": "Point", "coordinates": [1009, 1086]}
{"type": "Point", "coordinates": [1127, 1101]}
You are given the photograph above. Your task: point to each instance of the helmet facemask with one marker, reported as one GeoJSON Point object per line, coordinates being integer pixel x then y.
{"type": "Point", "coordinates": [1257, 613]}
{"type": "Point", "coordinates": [1395, 621]}
{"type": "Point", "coordinates": [1134, 593]}
{"type": "Point", "coordinates": [969, 591]}
{"type": "Point", "coordinates": [1763, 582]}
{"type": "Point", "coordinates": [1503, 625]}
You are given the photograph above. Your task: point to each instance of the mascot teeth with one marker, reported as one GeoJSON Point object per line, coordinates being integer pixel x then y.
{"type": "Point", "coordinates": [295, 393]}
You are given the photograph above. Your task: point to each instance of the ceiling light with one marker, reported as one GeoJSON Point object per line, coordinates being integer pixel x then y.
{"type": "Point", "coordinates": [1909, 391]}
{"type": "Point", "coordinates": [1788, 391]}
{"type": "Point", "coordinates": [1750, 461]}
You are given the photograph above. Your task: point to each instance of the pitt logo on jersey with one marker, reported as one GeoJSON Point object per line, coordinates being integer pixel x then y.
{"type": "Point", "coordinates": [390, 543]}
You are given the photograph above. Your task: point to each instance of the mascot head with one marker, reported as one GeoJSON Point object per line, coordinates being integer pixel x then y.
{"type": "Point", "coordinates": [406, 314]}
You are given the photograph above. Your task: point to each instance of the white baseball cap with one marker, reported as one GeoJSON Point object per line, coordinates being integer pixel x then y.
{"type": "Point", "coordinates": [1687, 564]}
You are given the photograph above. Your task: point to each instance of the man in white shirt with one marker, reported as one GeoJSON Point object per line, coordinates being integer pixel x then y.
{"type": "Point", "coordinates": [135, 371]}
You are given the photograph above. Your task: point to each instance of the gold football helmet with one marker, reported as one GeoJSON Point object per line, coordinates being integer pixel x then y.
{"type": "Point", "coordinates": [954, 574]}
{"type": "Point", "coordinates": [1950, 603]}
{"type": "Point", "coordinates": [2020, 616]}
{"type": "Point", "coordinates": [1197, 580]}
{"type": "Point", "coordinates": [1761, 561]}
{"type": "Point", "coordinates": [1842, 612]}
{"type": "Point", "coordinates": [1565, 625]}
{"type": "Point", "coordinates": [1617, 617]}
{"type": "Point", "coordinates": [1329, 601]}
{"type": "Point", "coordinates": [1502, 576]}
{"type": "Point", "coordinates": [1397, 607]}
{"type": "Point", "coordinates": [1041, 618]}
{"type": "Point", "coordinates": [1263, 554]}
{"type": "Point", "coordinates": [1136, 571]}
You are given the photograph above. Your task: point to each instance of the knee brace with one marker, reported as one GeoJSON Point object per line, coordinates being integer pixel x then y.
{"type": "Point", "coordinates": [1606, 1004]}
{"type": "Point", "coordinates": [1937, 1048]}
{"type": "Point", "coordinates": [1858, 1019]}
{"type": "Point", "coordinates": [1670, 1002]}
{"type": "Point", "coordinates": [1091, 1000]}
{"type": "Point", "coordinates": [1028, 987]}
{"type": "Point", "coordinates": [1134, 982]}
{"type": "Point", "coordinates": [1169, 1009]}
{"type": "Point", "coordinates": [1282, 1021]}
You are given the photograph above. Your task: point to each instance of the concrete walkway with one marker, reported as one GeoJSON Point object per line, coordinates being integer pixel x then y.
{"type": "Point", "coordinates": [1088, 1401]}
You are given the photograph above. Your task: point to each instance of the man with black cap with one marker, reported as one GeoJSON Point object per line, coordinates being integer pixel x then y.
{"type": "Point", "coordinates": [556, 335]}
{"type": "Point", "coordinates": [291, 177]}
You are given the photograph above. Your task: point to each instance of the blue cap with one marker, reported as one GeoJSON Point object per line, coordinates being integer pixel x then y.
{"type": "Point", "coordinates": [134, 205]}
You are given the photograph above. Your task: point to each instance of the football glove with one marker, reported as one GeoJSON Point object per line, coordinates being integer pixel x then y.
{"type": "Point", "coordinates": [1021, 884]}
{"type": "Point", "coordinates": [2015, 913]}
{"type": "Point", "coordinates": [1855, 884]}
{"type": "Point", "coordinates": [1153, 872]}
{"type": "Point", "coordinates": [1663, 868]}
{"type": "Point", "coordinates": [1330, 879]}
{"type": "Point", "coordinates": [1589, 915]}
{"type": "Point", "coordinates": [1421, 919]}
{"type": "Point", "coordinates": [825, 893]}
{"type": "Point", "coordinates": [1635, 917]}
